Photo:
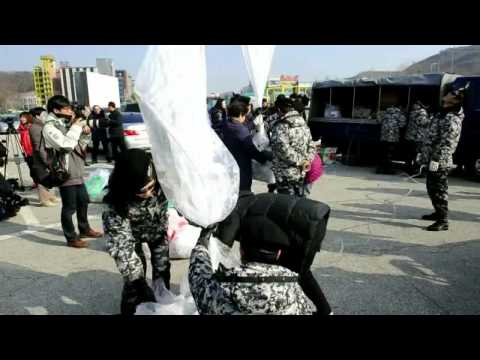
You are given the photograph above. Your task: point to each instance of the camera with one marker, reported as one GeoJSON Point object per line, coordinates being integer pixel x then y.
{"type": "Point", "coordinates": [10, 122]}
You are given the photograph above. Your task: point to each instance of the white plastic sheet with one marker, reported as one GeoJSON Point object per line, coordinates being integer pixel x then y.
{"type": "Point", "coordinates": [263, 172]}
{"type": "Point", "coordinates": [258, 59]}
{"type": "Point", "coordinates": [194, 167]}
{"type": "Point", "coordinates": [169, 303]}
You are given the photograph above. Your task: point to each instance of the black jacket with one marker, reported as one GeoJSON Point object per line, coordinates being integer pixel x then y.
{"type": "Point", "coordinates": [295, 225]}
{"type": "Point", "coordinates": [238, 140]}
{"type": "Point", "coordinates": [115, 124]}
{"type": "Point", "coordinates": [218, 116]}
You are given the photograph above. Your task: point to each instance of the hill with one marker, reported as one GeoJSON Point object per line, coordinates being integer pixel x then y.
{"type": "Point", "coordinates": [12, 83]}
{"type": "Point", "coordinates": [463, 60]}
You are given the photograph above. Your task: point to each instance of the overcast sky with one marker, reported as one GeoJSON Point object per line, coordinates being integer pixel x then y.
{"type": "Point", "coordinates": [226, 70]}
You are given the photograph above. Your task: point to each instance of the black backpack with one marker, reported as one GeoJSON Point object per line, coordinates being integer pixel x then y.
{"type": "Point", "coordinates": [53, 172]}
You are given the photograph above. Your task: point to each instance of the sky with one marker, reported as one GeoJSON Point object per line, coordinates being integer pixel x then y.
{"type": "Point", "coordinates": [225, 67]}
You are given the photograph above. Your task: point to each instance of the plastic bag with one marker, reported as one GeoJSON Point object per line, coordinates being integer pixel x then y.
{"type": "Point", "coordinates": [193, 166]}
{"type": "Point", "coordinates": [316, 170]}
{"type": "Point", "coordinates": [332, 112]}
{"type": "Point", "coordinates": [221, 253]}
{"type": "Point", "coordinates": [260, 138]}
{"type": "Point", "coordinates": [258, 59]}
{"type": "Point", "coordinates": [263, 172]}
{"type": "Point", "coordinates": [182, 244]}
{"type": "Point", "coordinates": [168, 303]}
{"type": "Point", "coordinates": [175, 223]}
{"type": "Point", "coordinates": [96, 183]}
{"type": "Point", "coordinates": [183, 304]}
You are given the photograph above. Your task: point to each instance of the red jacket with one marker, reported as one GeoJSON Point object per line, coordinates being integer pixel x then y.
{"type": "Point", "coordinates": [25, 139]}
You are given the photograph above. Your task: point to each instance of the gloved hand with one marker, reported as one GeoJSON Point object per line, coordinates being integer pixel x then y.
{"type": "Point", "coordinates": [205, 234]}
{"type": "Point", "coordinates": [134, 293]}
{"type": "Point", "coordinates": [433, 167]}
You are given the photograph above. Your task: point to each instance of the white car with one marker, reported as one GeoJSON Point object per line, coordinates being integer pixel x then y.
{"type": "Point", "coordinates": [134, 131]}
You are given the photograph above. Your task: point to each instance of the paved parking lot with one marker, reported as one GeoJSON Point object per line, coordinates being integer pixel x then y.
{"type": "Point", "coordinates": [376, 257]}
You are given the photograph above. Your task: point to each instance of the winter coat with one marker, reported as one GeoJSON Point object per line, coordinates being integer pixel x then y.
{"type": "Point", "coordinates": [296, 225]}
{"type": "Point", "coordinates": [442, 139]}
{"type": "Point", "coordinates": [253, 288]}
{"type": "Point", "coordinates": [115, 124]}
{"type": "Point", "coordinates": [292, 145]}
{"type": "Point", "coordinates": [392, 121]}
{"type": "Point", "coordinates": [23, 131]}
{"type": "Point", "coordinates": [417, 125]}
{"type": "Point", "coordinates": [72, 142]}
{"type": "Point", "coordinates": [238, 140]}
{"type": "Point", "coordinates": [146, 222]}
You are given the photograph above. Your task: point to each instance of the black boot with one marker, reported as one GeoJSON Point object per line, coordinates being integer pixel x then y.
{"type": "Point", "coordinates": [440, 225]}
{"type": "Point", "coordinates": [431, 217]}
{"type": "Point", "coordinates": [134, 293]}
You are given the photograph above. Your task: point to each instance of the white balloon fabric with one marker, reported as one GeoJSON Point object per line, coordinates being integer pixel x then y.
{"type": "Point", "coordinates": [194, 167]}
{"type": "Point", "coordinates": [258, 59]}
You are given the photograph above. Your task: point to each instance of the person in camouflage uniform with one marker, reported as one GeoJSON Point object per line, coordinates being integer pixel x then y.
{"type": "Point", "coordinates": [136, 213]}
{"type": "Point", "coordinates": [417, 127]}
{"type": "Point", "coordinates": [258, 287]}
{"type": "Point", "coordinates": [392, 121]}
{"type": "Point", "coordinates": [437, 151]}
{"type": "Point", "coordinates": [293, 149]}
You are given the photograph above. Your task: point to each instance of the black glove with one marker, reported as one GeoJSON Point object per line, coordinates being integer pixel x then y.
{"type": "Point", "coordinates": [134, 293]}
{"type": "Point", "coordinates": [205, 234]}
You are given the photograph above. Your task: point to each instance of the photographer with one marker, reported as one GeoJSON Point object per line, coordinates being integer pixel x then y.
{"type": "Point", "coordinates": [63, 132]}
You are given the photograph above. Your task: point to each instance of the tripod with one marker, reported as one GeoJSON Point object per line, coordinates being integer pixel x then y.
{"type": "Point", "coordinates": [13, 140]}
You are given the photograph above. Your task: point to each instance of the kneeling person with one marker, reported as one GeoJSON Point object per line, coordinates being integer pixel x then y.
{"type": "Point", "coordinates": [258, 286]}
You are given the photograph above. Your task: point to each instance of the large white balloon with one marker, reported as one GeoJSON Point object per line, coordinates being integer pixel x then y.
{"type": "Point", "coordinates": [194, 167]}
{"type": "Point", "coordinates": [258, 59]}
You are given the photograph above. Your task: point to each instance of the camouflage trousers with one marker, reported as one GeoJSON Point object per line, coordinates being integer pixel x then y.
{"type": "Point", "coordinates": [437, 187]}
{"type": "Point", "coordinates": [296, 188]}
{"type": "Point", "coordinates": [159, 258]}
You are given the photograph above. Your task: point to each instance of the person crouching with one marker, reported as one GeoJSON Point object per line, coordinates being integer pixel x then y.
{"type": "Point", "coordinates": [258, 287]}
{"type": "Point", "coordinates": [136, 214]}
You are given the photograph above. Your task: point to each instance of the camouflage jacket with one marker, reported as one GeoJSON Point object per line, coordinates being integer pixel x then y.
{"type": "Point", "coordinates": [441, 139]}
{"type": "Point", "coordinates": [147, 221]}
{"type": "Point", "coordinates": [417, 125]}
{"type": "Point", "coordinates": [224, 292]}
{"type": "Point", "coordinates": [291, 144]}
{"type": "Point", "coordinates": [392, 121]}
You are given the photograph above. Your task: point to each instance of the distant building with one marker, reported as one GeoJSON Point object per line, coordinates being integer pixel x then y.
{"type": "Point", "coordinates": [69, 80]}
{"type": "Point", "coordinates": [43, 76]}
{"type": "Point", "coordinates": [96, 89]}
{"type": "Point", "coordinates": [29, 100]}
{"type": "Point", "coordinates": [124, 85]}
{"type": "Point", "coordinates": [106, 67]}
{"type": "Point", "coordinates": [23, 101]}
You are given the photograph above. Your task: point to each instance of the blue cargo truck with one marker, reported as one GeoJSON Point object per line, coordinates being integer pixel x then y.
{"type": "Point", "coordinates": [345, 114]}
